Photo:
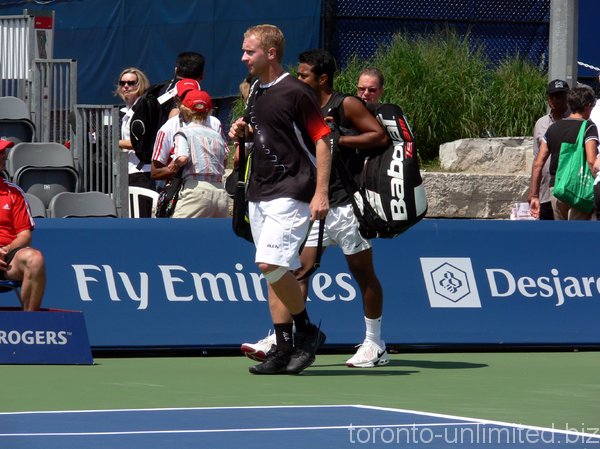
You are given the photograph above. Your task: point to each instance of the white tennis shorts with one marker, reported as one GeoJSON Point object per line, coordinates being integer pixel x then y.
{"type": "Point", "coordinates": [341, 228]}
{"type": "Point", "coordinates": [279, 227]}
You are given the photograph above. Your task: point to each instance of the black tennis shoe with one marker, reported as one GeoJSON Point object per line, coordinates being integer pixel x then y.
{"type": "Point", "coordinates": [276, 362]}
{"type": "Point", "coordinates": [306, 345]}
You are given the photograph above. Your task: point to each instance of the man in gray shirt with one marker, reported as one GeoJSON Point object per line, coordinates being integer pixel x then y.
{"type": "Point", "coordinates": [557, 102]}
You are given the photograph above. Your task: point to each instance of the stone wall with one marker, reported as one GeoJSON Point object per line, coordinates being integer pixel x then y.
{"type": "Point", "coordinates": [481, 178]}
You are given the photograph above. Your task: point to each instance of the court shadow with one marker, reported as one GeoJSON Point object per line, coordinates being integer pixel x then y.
{"type": "Point", "coordinates": [355, 371]}
{"type": "Point", "coordinates": [429, 364]}
{"type": "Point", "coordinates": [386, 371]}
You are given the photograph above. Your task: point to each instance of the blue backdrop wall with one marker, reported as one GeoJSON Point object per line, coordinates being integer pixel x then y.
{"type": "Point", "coordinates": [106, 36]}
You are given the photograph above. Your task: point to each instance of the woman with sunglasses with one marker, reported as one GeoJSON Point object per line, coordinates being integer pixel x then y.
{"type": "Point", "coordinates": [131, 86]}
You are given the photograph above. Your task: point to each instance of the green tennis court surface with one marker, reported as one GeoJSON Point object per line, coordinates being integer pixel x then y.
{"type": "Point", "coordinates": [548, 389]}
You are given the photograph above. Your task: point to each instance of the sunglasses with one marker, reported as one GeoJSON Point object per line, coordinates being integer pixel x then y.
{"type": "Point", "coordinates": [367, 89]}
{"type": "Point", "coordinates": [129, 83]}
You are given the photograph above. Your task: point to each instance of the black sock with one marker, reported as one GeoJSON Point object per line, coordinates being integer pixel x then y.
{"type": "Point", "coordinates": [283, 337]}
{"type": "Point", "coordinates": [302, 322]}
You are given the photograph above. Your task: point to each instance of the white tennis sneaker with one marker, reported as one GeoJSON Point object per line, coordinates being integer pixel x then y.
{"type": "Point", "coordinates": [258, 351]}
{"type": "Point", "coordinates": [369, 354]}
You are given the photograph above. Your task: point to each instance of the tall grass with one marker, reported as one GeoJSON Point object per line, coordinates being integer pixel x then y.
{"type": "Point", "coordinates": [448, 90]}
{"type": "Point", "coordinates": [517, 95]}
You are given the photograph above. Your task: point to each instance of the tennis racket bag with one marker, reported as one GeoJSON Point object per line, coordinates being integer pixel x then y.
{"type": "Point", "coordinates": [389, 197]}
{"type": "Point", "coordinates": [240, 222]}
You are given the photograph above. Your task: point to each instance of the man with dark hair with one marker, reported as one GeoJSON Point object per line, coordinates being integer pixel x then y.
{"type": "Point", "coordinates": [190, 64]}
{"type": "Point", "coordinates": [359, 131]}
{"type": "Point", "coordinates": [557, 102]}
{"type": "Point", "coordinates": [581, 100]}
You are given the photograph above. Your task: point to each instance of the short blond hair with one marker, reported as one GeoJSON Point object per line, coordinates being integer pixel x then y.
{"type": "Point", "coordinates": [142, 85]}
{"type": "Point", "coordinates": [270, 37]}
{"type": "Point", "coordinates": [191, 115]}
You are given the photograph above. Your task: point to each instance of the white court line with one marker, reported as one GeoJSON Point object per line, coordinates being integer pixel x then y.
{"type": "Point", "coordinates": [263, 429]}
{"type": "Point", "coordinates": [160, 409]}
{"type": "Point", "coordinates": [488, 421]}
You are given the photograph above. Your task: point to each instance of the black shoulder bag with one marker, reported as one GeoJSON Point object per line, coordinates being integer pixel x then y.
{"type": "Point", "coordinates": [167, 200]}
{"type": "Point", "coordinates": [240, 221]}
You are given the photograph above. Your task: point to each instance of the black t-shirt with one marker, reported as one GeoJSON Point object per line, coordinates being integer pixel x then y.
{"type": "Point", "coordinates": [565, 130]}
{"type": "Point", "coordinates": [287, 122]}
{"type": "Point", "coordinates": [349, 157]}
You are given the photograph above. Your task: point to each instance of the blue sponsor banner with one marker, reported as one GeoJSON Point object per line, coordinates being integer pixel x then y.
{"type": "Point", "coordinates": [57, 337]}
{"type": "Point", "coordinates": [174, 283]}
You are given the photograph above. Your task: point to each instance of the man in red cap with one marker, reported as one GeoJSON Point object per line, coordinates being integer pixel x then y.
{"type": "Point", "coordinates": [18, 261]}
{"type": "Point", "coordinates": [164, 143]}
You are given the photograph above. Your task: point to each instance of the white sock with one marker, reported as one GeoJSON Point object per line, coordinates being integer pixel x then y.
{"type": "Point", "coordinates": [374, 330]}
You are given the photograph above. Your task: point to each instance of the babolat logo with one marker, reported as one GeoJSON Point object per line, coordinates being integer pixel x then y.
{"type": "Point", "coordinates": [450, 282]}
{"type": "Point", "coordinates": [395, 171]}
{"type": "Point", "coordinates": [15, 337]}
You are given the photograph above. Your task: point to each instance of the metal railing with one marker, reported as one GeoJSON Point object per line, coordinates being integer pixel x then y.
{"type": "Point", "coordinates": [52, 98]}
{"type": "Point", "coordinates": [95, 144]}
{"type": "Point", "coordinates": [16, 37]}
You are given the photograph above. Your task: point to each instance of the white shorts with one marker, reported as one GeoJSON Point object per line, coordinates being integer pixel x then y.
{"type": "Point", "coordinates": [341, 228]}
{"type": "Point", "coordinates": [279, 228]}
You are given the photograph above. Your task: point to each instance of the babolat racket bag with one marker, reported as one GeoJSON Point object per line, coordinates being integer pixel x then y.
{"type": "Point", "coordinates": [391, 196]}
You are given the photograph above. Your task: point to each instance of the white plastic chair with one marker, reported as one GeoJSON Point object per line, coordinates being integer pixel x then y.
{"type": "Point", "coordinates": [135, 193]}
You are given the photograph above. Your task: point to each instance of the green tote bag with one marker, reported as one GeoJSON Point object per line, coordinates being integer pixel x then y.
{"type": "Point", "coordinates": [574, 182]}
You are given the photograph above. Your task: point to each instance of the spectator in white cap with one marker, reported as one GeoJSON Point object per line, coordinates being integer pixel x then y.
{"type": "Point", "coordinates": [19, 261]}
{"type": "Point", "coordinates": [201, 154]}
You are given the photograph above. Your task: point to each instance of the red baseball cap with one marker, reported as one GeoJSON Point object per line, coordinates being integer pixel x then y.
{"type": "Point", "coordinates": [198, 100]}
{"type": "Point", "coordinates": [185, 85]}
{"type": "Point", "coordinates": [5, 144]}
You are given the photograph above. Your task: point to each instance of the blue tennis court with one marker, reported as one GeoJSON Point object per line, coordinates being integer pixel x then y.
{"type": "Point", "coordinates": [337, 426]}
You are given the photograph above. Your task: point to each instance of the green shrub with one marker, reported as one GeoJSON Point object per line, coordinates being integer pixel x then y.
{"type": "Point", "coordinates": [517, 97]}
{"type": "Point", "coordinates": [448, 89]}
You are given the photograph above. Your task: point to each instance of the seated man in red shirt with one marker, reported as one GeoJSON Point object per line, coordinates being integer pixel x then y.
{"type": "Point", "coordinates": [18, 261]}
